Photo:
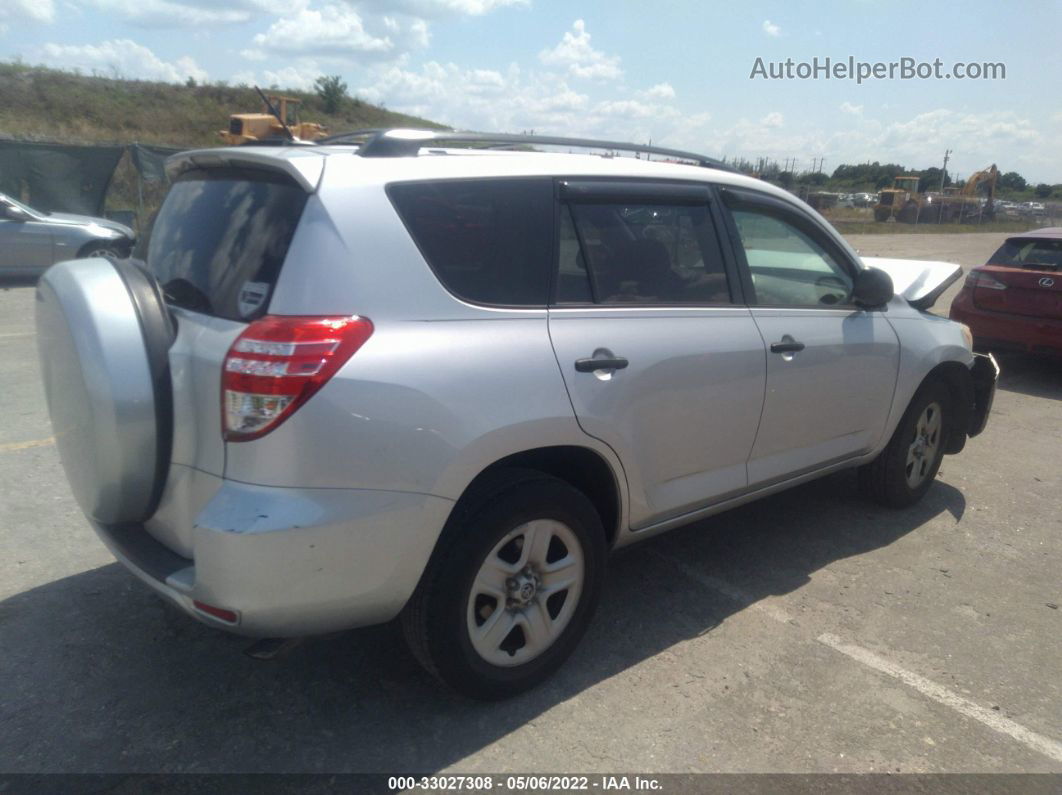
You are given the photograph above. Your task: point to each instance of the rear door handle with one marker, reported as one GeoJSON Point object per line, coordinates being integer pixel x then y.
{"type": "Point", "coordinates": [604, 363]}
{"type": "Point", "coordinates": [789, 346]}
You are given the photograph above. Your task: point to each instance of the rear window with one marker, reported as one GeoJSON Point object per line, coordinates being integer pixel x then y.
{"type": "Point", "coordinates": [1029, 253]}
{"type": "Point", "coordinates": [220, 238]}
{"type": "Point", "coordinates": [488, 241]}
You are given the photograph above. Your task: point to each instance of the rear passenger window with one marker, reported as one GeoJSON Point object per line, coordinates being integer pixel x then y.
{"type": "Point", "coordinates": [639, 254]}
{"type": "Point", "coordinates": [488, 241]}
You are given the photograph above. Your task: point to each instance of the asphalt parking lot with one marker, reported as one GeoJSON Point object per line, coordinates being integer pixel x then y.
{"type": "Point", "coordinates": [809, 632]}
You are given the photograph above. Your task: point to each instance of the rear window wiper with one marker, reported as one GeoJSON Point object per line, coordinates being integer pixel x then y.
{"type": "Point", "coordinates": [183, 293]}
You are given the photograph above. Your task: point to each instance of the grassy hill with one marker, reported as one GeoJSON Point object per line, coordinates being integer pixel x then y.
{"type": "Point", "coordinates": [41, 104]}
{"type": "Point", "coordinates": [37, 103]}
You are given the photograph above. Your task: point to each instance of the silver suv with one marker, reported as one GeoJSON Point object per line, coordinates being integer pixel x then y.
{"type": "Point", "coordinates": [397, 377]}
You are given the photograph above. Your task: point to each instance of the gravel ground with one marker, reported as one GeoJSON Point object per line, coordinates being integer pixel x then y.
{"type": "Point", "coordinates": [809, 632]}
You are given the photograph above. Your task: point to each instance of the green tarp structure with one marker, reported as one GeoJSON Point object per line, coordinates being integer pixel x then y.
{"type": "Point", "coordinates": [58, 177]}
{"type": "Point", "coordinates": [150, 161]}
{"type": "Point", "coordinates": [53, 177]}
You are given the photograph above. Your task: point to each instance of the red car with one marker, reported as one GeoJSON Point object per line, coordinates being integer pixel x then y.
{"type": "Point", "coordinates": [1014, 302]}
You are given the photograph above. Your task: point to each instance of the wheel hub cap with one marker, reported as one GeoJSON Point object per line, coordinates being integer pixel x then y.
{"type": "Point", "coordinates": [522, 589]}
{"type": "Point", "coordinates": [525, 592]}
{"type": "Point", "coordinates": [922, 452]}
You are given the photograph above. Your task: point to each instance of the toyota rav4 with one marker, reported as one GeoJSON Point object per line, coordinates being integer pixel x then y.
{"type": "Point", "coordinates": [396, 376]}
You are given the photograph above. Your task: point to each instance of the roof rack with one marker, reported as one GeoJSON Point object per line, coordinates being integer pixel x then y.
{"type": "Point", "coordinates": [400, 142]}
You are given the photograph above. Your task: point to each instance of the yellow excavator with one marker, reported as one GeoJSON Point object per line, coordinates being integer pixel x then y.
{"type": "Point", "coordinates": [972, 203]}
{"type": "Point", "coordinates": [279, 122]}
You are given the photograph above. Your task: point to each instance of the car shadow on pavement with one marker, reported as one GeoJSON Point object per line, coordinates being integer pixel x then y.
{"type": "Point", "coordinates": [101, 676]}
{"type": "Point", "coordinates": [1036, 376]}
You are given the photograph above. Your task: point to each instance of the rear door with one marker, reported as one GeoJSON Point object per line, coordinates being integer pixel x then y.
{"type": "Point", "coordinates": [831, 366]}
{"type": "Point", "coordinates": [1029, 270]}
{"type": "Point", "coordinates": [661, 360]}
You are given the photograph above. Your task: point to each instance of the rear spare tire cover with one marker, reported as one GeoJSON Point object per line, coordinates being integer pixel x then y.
{"type": "Point", "coordinates": [103, 333]}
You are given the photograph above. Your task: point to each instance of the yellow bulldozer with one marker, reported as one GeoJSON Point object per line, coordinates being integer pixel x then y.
{"type": "Point", "coordinates": [902, 201]}
{"type": "Point", "coordinates": [279, 122]}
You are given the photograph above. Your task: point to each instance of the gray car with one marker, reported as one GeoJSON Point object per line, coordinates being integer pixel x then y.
{"type": "Point", "coordinates": [30, 240]}
{"type": "Point", "coordinates": [394, 378]}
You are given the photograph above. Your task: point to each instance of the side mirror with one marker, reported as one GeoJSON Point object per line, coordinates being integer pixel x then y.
{"type": "Point", "coordinates": [872, 288]}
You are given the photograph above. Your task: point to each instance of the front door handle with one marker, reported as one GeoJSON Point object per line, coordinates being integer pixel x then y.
{"type": "Point", "coordinates": [788, 346]}
{"type": "Point", "coordinates": [603, 363]}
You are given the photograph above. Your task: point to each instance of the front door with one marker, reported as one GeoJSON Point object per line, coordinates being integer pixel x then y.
{"type": "Point", "coordinates": [831, 366]}
{"type": "Point", "coordinates": [24, 244]}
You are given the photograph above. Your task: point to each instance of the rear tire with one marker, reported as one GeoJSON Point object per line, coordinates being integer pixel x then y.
{"type": "Point", "coordinates": [511, 589]}
{"type": "Point", "coordinates": [903, 472]}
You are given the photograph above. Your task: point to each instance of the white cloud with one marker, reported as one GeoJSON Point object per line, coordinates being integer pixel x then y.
{"type": "Point", "coordinates": [659, 91]}
{"type": "Point", "coordinates": [772, 30]}
{"type": "Point", "coordinates": [299, 77]}
{"type": "Point", "coordinates": [852, 110]}
{"type": "Point", "coordinates": [27, 11]}
{"type": "Point", "coordinates": [774, 119]}
{"type": "Point", "coordinates": [513, 100]}
{"type": "Point", "coordinates": [339, 30]}
{"type": "Point", "coordinates": [1002, 137]}
{"type": "Point", "coordinates": [172, 13]}
{"type": "Point", "coordinates": [625, 108]}
{"type": "Point", "coordinates": [438, 8]}
{"type": "Point", "coordinates": [575, 53]}
{"type": "Point", "coordinates": [124, 58]}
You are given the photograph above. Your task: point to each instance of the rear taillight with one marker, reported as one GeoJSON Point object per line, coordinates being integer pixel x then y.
{"type": "Point", "coordinates": [277, 363]}
{"type": "Point", "coordinates": [977, 278]}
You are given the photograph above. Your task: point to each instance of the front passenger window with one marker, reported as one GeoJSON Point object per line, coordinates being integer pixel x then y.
{"type": "Point", "coordinates": [788, 267]}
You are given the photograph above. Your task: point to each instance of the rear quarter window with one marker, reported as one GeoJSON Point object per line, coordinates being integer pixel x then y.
{"type": "Point", "coordinates": [488, 241]}
{"type": "Point", "coordinates": [220, 238]}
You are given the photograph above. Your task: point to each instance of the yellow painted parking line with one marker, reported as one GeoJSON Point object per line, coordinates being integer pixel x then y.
{"type": "Point", "coordinates": [19, 334]}
{"type": "Point", "coordinates": [11, 447]}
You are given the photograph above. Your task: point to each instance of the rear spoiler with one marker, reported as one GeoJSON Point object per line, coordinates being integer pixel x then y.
{"type": "Point", "coordinates": [304, 166]}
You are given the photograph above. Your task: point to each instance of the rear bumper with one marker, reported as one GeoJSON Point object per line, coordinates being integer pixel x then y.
{"type": "Point", "coordinates": [1000, 331]}
{"type": "Point", "coordinates": [292, 562]}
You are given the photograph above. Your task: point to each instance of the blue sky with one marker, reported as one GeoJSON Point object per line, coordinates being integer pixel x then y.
{"type": "Point", "coordinates": [674, 71]}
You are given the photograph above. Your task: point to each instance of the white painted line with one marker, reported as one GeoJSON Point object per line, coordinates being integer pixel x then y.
{"type": "Point", "coordinates": [725, 589]}
{"type": "Point", "coordinates": [990, 718]}
{"type": "Point", "coordinates": [19, 334]}
{"type": "Point", "coordinates": [10, 447]}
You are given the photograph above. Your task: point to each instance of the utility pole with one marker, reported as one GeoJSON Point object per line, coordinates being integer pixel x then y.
{"type": "Point", "coordinates": [944, 171]}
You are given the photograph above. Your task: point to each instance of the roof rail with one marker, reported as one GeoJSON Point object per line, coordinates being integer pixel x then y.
{"type": "Point", "coordinates": [400, 142]}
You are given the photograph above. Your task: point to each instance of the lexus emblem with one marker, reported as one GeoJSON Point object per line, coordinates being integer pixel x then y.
{"type": "Point", "coordinates": [1047, 281]}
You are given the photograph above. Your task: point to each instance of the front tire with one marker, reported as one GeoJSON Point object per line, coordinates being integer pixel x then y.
{"type": "Point", "coordinates": [511, 591]}
{"type": "Point", "coordinates": [903, 472]}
